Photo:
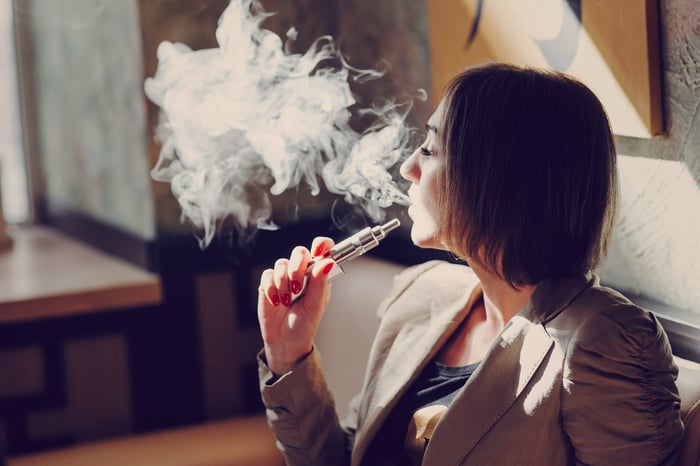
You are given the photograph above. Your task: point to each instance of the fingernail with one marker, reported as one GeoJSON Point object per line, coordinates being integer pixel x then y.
{"type": "Point", "coordinates": [318, 251]}
{"type": "Point", "coordinates": [275, 300]}
{"type": "Point", "coordinates": [327, 268]}
{"type": "Point", "coordinates": [286, 299]}
{"type": "Point", "coordinates": [296, 286]}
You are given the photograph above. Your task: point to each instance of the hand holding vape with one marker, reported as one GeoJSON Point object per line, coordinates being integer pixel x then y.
{"type": "Point", "coordinates": [354, 246]}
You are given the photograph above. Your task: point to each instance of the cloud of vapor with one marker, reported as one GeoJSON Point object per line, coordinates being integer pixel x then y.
{"type": "Point", "coordinates": [248, 120]}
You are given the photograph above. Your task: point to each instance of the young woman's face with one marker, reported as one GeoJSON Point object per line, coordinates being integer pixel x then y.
{"type": "Point", "coordinates": [423, 169]}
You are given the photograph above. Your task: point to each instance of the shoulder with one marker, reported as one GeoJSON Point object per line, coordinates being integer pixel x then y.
{"type": "Point", "coordinates": [605, 337]}
{"type": "Point", "coordinates": [618, 372]}
{"type": "Point", "coordinates": [607, 319]}
{"type": "Point", "coordinates": [432, 281]}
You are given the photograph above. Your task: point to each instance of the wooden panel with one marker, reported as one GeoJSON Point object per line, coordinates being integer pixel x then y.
{"type": "Point", "coordinates": [226, 345]}
{"type": "Point", "coordinates": [98, 397]}
{"type": "Point", "coordinates": [22, 371]}
{"type": "Point", "coordinates": [612, 46]}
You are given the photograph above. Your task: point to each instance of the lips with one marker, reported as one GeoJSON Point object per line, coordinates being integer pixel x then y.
{"type": "Point", "coordinates": [411, 206]}
{"type": "Point", "coordinates": [411, 192]}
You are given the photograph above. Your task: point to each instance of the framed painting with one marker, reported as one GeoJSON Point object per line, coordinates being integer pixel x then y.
{"type": "Point", "coordinates": [612, 46]}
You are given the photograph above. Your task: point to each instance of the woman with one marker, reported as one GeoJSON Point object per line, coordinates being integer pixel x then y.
{"type": "Point", "coordinates": [520, 358]}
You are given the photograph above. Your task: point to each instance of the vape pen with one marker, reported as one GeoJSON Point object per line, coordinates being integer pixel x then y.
{"type": "Point", "coordinates": [354, 246]}
{"type": "Point", "coordinates": [361, 242]}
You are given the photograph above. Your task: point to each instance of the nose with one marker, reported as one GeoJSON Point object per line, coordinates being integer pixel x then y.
{"type": "Point", "coordinates": [409, 169]}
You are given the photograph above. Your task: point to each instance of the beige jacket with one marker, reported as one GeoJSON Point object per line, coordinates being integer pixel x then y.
{"type": "Point", "coordinates": [578, 376]}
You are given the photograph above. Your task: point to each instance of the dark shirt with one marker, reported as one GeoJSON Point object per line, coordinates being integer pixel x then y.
{"type": "Point", "coordinates": [405, 434]}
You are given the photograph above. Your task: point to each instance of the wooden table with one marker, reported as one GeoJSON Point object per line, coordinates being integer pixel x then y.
{"type": "Point", "coordinates": [244, 441]}
{"type": "Point", "coordinates": [47, 274]}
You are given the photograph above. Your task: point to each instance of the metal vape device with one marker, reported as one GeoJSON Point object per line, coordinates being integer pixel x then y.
{"type": "Point", "coordinates": [361, 242]}
{"type": "Point", "coordinates": [354, 246]}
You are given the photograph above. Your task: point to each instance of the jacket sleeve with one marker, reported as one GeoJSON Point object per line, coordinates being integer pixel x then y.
{"type": "Point", "coordinates": [301, 412]}
{"type": "Point", "coordinates": [300, 408]}
{"type": "Point", "coordinates": [620, 403]}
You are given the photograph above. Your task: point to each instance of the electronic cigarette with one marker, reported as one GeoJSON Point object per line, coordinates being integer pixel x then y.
{"type": "Point", "coordinates": [354, 246]}
{"type": "Point", "coordinates": [361, 242]}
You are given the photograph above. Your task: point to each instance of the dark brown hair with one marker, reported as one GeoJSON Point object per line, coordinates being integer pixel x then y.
{"type": "Point", "coordinates": [530, 185]}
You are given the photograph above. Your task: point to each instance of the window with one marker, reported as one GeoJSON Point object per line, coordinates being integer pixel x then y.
{"type": "Point", "coordinates": [13, 174]}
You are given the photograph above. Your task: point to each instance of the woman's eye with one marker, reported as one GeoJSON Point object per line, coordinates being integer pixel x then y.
{"type": "Point", "coordinates": [425, 151]}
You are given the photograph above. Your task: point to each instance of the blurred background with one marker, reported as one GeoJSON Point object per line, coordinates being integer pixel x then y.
{"type": "Point", "coordinates": [113, 321]}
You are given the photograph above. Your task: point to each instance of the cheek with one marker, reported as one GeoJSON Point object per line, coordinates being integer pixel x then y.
{"type": "Point", "coordinates": [425, 212]}
{"type": "Point", "coordinates": [433, 197]}
{"type": "Point", "coordinates": [424, 199]}
{"type": "Point", "coordinates": [430, 196]}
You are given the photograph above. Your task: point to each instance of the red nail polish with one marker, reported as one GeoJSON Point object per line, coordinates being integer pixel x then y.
{"type": "Point", "coordinates": [275, 300]}
{"type": "Point", "coordinates": [318, 251]}
{"type": "Point", "coordinates": [327, 268]}
{"type": "Point", "coordinates": [296, 286]}
{"type": "Point", "coordinates": [286, 299]}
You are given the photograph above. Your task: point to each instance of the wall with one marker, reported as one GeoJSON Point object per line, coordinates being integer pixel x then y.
{"type": "Point", "coordinates": [656, 247]}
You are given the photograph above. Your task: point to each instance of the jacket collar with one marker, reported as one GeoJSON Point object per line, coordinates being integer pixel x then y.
{"type": "Point", "coordinates": [505, 372]}
{"type": "Point", "coordinates": [502, 376]}
{"type": "Point", "coordinates": [554, 295]}
{"type": "Point", "coordinates": [414, 345]}
{"type": "Point", "coordinates": [500, 379]}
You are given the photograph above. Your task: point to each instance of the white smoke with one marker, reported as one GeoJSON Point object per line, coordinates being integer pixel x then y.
{"type": "Point", "coordinates": [249, 119]}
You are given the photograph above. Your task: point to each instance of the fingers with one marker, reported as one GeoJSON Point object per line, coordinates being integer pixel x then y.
{"type": "Point", "coordinates": [267, 291]}
{"type": "Point", "coordinates": [281, 281]}
{"type": "Point", "coordinates": [298, 264]}
{"type": "Point", "coordinates": [321, 246]}
{"type": "Point", "coordinates": [275, 285]}
{"type": "Point", "coordinates": [320, 271]}
{"type": "Point", "coordinates": [288, 277]}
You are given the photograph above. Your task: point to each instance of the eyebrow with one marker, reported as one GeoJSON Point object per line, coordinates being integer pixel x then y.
{"type": "Point", "coordinates": [431, 128]}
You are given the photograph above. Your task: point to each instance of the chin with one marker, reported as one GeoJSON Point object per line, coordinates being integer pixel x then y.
{"type": "Point", "coordinates": [424, 239]}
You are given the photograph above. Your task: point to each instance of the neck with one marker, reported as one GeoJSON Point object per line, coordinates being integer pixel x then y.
{"type": "Point", "coordinates": [501, 300]}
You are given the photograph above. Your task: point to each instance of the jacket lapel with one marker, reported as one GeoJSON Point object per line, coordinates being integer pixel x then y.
{"type": "Point", "coordinates": [512, 360]}
{"type": "Point", "coordinates": [401, 352]}
{"type": "Point", "coordinates": [419, 344]}
{"type": "Point", "coordinates": [405, 354]}
{"type": "Point", "coordinates": [500, 379]}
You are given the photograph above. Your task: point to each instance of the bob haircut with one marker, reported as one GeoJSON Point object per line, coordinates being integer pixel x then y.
{"type": "Point", "coordinates": [530, 182]}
